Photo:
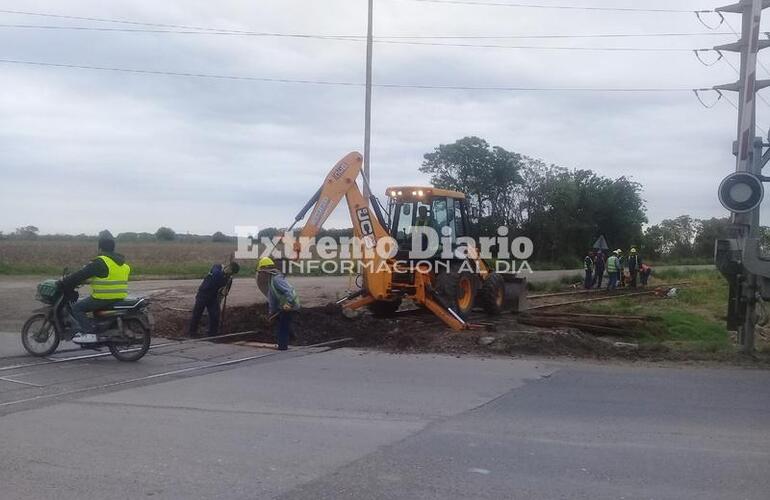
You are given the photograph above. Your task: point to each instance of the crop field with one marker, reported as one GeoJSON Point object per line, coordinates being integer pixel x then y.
{"type": "Point", "coordinates": [50, 257]}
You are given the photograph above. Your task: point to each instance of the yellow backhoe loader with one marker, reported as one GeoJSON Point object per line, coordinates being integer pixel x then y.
{"type": "Point", "coordinates": [451, 290]}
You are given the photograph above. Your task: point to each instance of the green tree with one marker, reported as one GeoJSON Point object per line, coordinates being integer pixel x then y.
{"type": "Point", "coordinates": [653, 242]}
{"type": "Point", "coordinates": [563, 211]}
{"type": "Point", "coordinates": [487, 175]}
{"type": "Point", "coordinates": [220, 237]}
{"type": "Point", "coordinates": [165, 234]}
{"type": "Point", "coordinates": [27, 232]}
{"type": "Point", "coordinates": [708, 232]}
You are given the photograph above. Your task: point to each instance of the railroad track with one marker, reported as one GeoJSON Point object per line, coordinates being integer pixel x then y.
{"type": "Point", "coordinates": [39, 382]}
{"type": "Point", "coordinates": [182, 344]}
{"type": "Point", "coordinates": [586, 296]}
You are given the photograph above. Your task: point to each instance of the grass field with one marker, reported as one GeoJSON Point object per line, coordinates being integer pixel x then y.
{"type": "Point", "coordinates": [693, 320]}
{"type": "Point", "coordinates": [173, 259]}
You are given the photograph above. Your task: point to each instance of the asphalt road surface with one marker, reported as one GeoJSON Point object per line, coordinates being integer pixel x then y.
{"type": "Point", "coordinates": [335, 424]}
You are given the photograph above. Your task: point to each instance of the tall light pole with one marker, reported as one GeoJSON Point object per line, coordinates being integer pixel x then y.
{"type": "Point", "coordinates": [368, 112]}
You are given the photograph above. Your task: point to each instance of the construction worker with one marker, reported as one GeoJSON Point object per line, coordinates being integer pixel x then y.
{"type": "Point", "coordinates": [217, 281]}
{"type": "Point", "coordinates": [613, 269]}
{"type": "Point", "coordinates": [588, 267]}
{"type": "Point", "coordinates": [645, 272]}
{"type": "Point", "coordinates": [282, 301]}
{"type": "Point", "coordinates": [423, 218]}
{"type": "Point", "coordinates": [108, 274]}
{"type": "Point", "coordinates": [634, 265]}
{"type": "Point", "coordinates": [600, 264]}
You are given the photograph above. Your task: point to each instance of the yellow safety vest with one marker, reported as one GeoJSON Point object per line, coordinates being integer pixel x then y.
{"type": "Point", "coordinates": [115, 285]}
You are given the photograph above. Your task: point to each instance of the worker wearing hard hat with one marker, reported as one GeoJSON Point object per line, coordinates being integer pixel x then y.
{"type": "Point", "coordinates": [614, 268]}
{"type": "Point", "coordinates": [634, 265]}
{"type": "Point", "coordinates": [282, 300]}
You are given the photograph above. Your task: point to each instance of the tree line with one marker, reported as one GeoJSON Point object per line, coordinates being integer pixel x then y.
{"type": "Point", "coordinates": [563, 211]}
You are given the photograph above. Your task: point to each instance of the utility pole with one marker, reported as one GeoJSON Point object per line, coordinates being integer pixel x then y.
{"type": "Point", "coordinates": [368, 112]}
{"type": "Point", "coordinates": [738, 256]}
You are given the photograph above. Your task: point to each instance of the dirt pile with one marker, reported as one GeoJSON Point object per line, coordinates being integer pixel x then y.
{"type": "Point", "coordinates": [411, 332]}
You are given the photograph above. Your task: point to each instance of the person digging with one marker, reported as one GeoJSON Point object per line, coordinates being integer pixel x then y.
{"type": "Point", "coordinates": [282, 301]}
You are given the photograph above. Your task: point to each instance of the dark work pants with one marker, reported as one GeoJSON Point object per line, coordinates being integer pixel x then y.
{"type": "Point", "coordinates": [86, 305]}
{"type": "Point", "coordinates": [589, 279]}
{"type": "Point", "coordinates": [598, 277]}
{"type": "Point", "coordinates": [283, 329]}
{"type": "Point", "coordinates": [634, 273]}
{"type": "Point", "coordinates": [211, 304]}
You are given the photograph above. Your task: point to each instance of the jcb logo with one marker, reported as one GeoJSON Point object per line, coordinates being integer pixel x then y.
{"type": "Point", "coordinates": [365, 221]}
{"type": "Point", "coordinates": [339, 170]}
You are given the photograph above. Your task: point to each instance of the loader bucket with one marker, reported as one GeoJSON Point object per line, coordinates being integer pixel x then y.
{"type": "Point", "coordinates": [515, 293]}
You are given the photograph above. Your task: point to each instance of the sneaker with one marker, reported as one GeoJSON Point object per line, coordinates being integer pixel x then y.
{"type": "Point", "coordinates": [84, 338]}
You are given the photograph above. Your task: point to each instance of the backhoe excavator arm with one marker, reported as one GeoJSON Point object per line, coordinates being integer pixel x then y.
{"type": "Point", "coordinates": [369, 229]}
{"type": "Point", "coordinates": [367, 226]}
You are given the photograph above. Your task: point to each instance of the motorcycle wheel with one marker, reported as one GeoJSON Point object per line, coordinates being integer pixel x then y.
{"type": "Point", "coordinates": [39, 336]}
{"type": "Point", "coordinates": [136, 345]}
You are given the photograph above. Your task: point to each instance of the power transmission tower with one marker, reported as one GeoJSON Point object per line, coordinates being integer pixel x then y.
{"type": "Point", "coordinates": [738, 257]}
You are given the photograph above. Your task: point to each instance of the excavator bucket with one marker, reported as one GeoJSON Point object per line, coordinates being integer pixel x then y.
{"type": "Point", "coordinates": [515, 293]}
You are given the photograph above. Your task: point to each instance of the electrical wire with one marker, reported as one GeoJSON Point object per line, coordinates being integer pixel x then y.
{"type": "Point", "coordinates": [534, 47]}
{"type": "Point", "coordinates": [350, 84]}
{"type": "Point", "coordinates": [731, 103]}
{"type": "Point", "coordinates": [224, 31]}
{"type": "Point", "coordinates": [194, 31]}
{"type": "Point", "coordinates": [759, 61]}
{"type": "Point", "coordinates": [558, 7]}
{"type": "Point", "coordinates": [738, 72]}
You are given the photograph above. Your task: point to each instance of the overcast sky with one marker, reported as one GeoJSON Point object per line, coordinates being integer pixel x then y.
{"type": "Point", "coordinates": [84, 150]}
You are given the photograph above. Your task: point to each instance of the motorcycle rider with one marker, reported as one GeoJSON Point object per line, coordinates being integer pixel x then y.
{"type": "Point", "coordinates": [108, 275]}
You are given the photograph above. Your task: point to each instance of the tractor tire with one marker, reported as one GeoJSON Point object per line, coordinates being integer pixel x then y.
{"type": "Point", "coordinates": [384, 308]}
{"type": "Point", "coordinates": [458, 290]}
{"type": "Point", "coordinates": [492, 294]}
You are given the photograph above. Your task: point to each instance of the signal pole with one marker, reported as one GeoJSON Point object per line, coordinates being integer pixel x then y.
{"type": "Point", "coordinates": [368, 111]}
{"type": "Point", "coordinates": [738, 257]}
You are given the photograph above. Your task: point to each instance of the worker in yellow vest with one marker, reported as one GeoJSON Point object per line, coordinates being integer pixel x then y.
{"type": "Point", "coordinates": [614, 269]}
{"type": "Point", "coordinates": [108, 275]}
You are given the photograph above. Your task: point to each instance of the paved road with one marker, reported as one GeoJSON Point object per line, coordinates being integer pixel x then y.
{"type": "Point", "coordinates": [355, 424]}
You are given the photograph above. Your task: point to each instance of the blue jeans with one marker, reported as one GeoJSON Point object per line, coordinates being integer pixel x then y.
{"type": "Point", "coordinates": [283, 329]}
{"type": "Point", "coordinates": [613, 280]}
{"type": "Point", "coordinates": [86, 305]}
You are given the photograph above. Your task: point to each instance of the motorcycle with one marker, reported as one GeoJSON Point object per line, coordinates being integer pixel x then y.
{"type": "Point", "coordinates": [125, 327]}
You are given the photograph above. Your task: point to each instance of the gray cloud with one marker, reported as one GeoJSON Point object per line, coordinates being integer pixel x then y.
{"type": "Point", "coordinates": [83, 150]}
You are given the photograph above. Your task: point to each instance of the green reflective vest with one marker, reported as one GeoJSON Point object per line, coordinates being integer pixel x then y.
{"type": "Point", "coordinates": [613, 264]}
{"type": "Point", "coordinates": [115, 285]}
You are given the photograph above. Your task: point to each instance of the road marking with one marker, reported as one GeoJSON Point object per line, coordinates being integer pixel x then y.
{"type": "Point", "coordinates": [20, 382]}
{"type": "Point", "coordinates": [50, 361]}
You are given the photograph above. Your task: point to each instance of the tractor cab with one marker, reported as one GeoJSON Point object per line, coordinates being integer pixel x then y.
{"type": "Point", "coordinates": [412, 207]}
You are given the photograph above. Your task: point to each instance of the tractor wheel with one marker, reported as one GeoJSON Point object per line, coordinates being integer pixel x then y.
{"type": "Point", "coordinates": [492, 294]}
{"type": "Point", "coordinates": [458, 289]}
{"type": "Point", "coordinates": [384, 308]}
